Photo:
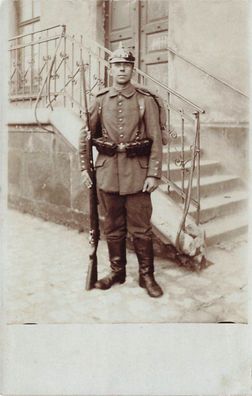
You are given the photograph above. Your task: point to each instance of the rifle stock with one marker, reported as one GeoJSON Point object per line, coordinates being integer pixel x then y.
{"type": "Point", "coordinates": [94, 232]}
{"type": "Point", "coordinates": [92, 271]}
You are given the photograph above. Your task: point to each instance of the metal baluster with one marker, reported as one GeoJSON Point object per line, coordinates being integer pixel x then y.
{"type": "Point", "coordinates": [31, 71]}
{"type": "Point", "coordinates": [64, 77]}
{"type": "Point", "coordinates": [183, 153]}
{"type": "Point", "coordinates": [10, 71]}
{"type": "Point", "coordinates": [80, 62]}
{"type": "Point", "coordinates": [168, 174]}
{"type": "Point", "coordinates": [16, 60]}
{"type": "Point", "coordinates": [38, 73]}
{"type": "Point", "coordinates": [72, 90]}
{"type": "Point", "coordinates": [89, 74]}
{"type": "Point", "coordinates": [47, 68]}
{"type": "Point", "coordinates": [55, 69]}
{"type": "Point", "coordinates": [23, 72]}
{"type": "Point", "coordinates": [197, 131]}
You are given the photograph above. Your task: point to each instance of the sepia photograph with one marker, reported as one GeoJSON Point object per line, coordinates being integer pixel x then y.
{"type": "Point", "coordinates": [128, 162]}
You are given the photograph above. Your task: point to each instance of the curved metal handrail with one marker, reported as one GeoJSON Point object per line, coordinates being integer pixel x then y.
{"type": "Point", "coordinates": [207, 73]}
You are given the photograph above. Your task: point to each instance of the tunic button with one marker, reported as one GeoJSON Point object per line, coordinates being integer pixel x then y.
{"type": "Point", "coordinates": [120, 127]}
{"type": "Point", "coordinates": [121, 136]}
{"type": "Point", "coordinates": [119, 103]}
{"type": "Point", "coordinates": [120, 119]}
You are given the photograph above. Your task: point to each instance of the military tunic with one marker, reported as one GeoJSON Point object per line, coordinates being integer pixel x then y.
{"type": "Point", "coordinates": [119, 114]}
{"type": "Point", "coordinates": [120, 179]}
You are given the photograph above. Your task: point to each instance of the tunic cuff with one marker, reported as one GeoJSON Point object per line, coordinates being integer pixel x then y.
{"type": "Point", "coordinates": [154, 169]}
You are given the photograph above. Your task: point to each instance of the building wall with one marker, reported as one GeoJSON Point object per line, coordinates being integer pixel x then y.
{"type": "Point", "coordinates": [229, 145]}
{"type": "Point", "coordinates": [81, 17]}
{"type": "Point", "coordinates": [12, 25]}
{"type": "Point", "coordinates": [44, 177]}
{"type": "Point", "coordinates": [214, 35]}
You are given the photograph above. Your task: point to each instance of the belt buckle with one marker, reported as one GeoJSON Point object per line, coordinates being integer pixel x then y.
{"type": "Point", "coordinates": [121, 147]}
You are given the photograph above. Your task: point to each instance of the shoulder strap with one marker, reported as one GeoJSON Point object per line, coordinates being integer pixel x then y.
{"type": "Point", "coordinates": [141, 109]}
{"type": "Point", "coordinates": [141, 106]}
{"type": "Point", "coordinates": [102, 91]}
{"type": "Point", "coordinates": [143, 90]}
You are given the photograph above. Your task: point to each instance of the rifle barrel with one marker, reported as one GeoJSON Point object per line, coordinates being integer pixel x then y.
{"type": "Point", "coordinates": [93, 201]}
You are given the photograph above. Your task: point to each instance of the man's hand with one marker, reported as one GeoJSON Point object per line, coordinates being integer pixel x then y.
{"type": "Point", "coordinates": [150, 184]}
{"type": "Point", "coordinates": [85, 179]}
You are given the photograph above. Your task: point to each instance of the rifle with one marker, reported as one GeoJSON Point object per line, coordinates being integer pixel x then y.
{"type": "Point", "coordinates": [94, 231]}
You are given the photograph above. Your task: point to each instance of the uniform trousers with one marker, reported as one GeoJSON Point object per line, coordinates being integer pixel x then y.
{"type": "Point", "coordinates": [126, 213]}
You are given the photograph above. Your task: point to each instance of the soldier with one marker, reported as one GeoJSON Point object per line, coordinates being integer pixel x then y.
{"type": "Point", "coordinates": [124, 122]}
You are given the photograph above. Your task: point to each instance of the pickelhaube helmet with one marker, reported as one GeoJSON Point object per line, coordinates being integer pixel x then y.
{"type": "Point", "coordinates": [121, 55]}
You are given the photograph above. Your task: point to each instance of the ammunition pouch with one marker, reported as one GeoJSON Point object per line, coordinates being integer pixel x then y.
{"type": "Point", "coordinates": [137, 148]}
{"type": "Point", "coordinates": [105, 147]}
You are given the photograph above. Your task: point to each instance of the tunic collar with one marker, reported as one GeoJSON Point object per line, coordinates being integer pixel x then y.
{"type": "Point", "coordinates": [126, 92]}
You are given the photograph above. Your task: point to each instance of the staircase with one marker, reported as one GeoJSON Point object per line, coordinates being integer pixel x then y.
{"type": "Point", "coordinates": [223, 203]}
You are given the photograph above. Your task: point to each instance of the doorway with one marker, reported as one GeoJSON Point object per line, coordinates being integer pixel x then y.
{"type": "Point", "coordinates": [142, 27]}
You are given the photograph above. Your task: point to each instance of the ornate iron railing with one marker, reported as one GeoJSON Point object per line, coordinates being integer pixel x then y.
{"type": "Point", "coordinates": [30, 58]}
{"type": "Point", "coordinates": [45, 70]}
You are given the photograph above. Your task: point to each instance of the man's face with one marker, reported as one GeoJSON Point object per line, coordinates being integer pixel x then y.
{"type": "Point", "coordinates": [122, 72]}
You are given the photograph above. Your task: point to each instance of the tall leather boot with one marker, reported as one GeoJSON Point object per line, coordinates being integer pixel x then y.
{"type": "Point", "coordinates": [117, 257]}
{"type": "Point", "coordinates": [144, 251]}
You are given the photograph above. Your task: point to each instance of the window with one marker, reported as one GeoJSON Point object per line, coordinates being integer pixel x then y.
{"type": "Point", "coordinates": [28, 12]}
{"type": "Point", "coordinates": [28, 22]}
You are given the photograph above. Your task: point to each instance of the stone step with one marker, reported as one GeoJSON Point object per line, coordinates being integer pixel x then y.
{"type": "Point", "coordinates": [220, 204]}
{"type": "Point", "coordinates": [177, 140]}
{"type": "Point", "coordinates": [225, 227]}
{"type": "Point", "coordinates": [219, 228]}
{"type": "Point", "coordinates": [207, 167]}
{"type": "Point", "coordinates": [175, 152]}
{"type": "Point", "coordinates": [209, 185]}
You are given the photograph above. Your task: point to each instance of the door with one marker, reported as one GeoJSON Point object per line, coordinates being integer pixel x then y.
{"type": "Point", "coordinates": [143, 27]}
{"type": "Point", "coordinates": [123, 25]}
{"type": "Point", "coordinates": [154, 39]}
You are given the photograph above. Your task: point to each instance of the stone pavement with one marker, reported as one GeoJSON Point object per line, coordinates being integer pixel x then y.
{"type": "Point", "coordinates": [45, 273]}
